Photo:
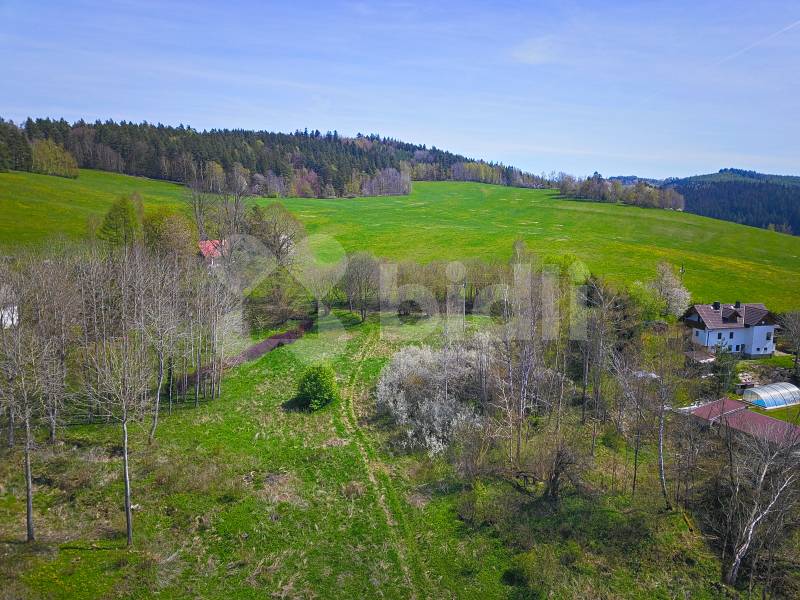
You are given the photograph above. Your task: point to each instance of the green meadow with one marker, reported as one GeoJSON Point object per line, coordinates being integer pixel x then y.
{"type": "Point", "coordinates": [35, 208]}
{"type": "Point", "coordinates": [455, 220]}
{"type": "Point", "coordinates": [247, 497]}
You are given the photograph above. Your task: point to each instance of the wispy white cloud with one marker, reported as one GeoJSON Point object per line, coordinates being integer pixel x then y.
{"type": "Point", "coordinates": [536, 51]}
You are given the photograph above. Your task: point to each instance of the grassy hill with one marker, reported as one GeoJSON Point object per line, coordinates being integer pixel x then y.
{"type": "Point", "coordinates": [35, 207]}
{"type": "Point", "coordinates": [453, 220]}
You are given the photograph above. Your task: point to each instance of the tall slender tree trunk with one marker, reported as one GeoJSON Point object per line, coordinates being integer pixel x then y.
{"type": "Point", "coordinates": [52, 415]}
{"type": "Point", "coordinates": [11, 426]}
{"type": "Point", "coordinates": [661, 471]}
{"type": "Point", "coordinates": [635, 461]}
{"type": "Point", "coordinates": [28, 482]}
{"type": "Point", "coordinates": [127, 481]}
{"type": "Point", "coordinates": [184, 389]}
{"type": "Point", "coordinates": [170, 377]}
{"type": "Point", "coordinates": [157, 403]}
{"type": "Point", "coordinates": [197, 375]}
{"type": "Point", "coordinates": [585, 384]}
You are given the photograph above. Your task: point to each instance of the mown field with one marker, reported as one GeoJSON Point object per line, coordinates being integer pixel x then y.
{"type": "Point", "coordinates": [453, 220]}
{"type": "Point", "coordinates": [246, 497]}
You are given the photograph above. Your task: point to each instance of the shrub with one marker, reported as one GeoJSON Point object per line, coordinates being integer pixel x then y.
{"type": "Point", "coordinates": [414, 392]}
{"type": "Point", "coordinates": [317, 387]}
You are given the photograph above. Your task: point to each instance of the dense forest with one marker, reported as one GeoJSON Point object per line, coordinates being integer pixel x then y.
{"type": "Point", "coordinates": [767, 201]}
{"type": "Point", "coordinates": [304, 163]}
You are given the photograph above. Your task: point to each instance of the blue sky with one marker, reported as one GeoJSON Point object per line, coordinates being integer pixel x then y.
{"type": "Point", "coordinates": [647, 88]}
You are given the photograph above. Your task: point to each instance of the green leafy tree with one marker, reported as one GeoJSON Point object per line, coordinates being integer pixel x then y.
{"type": "Point", "coordinates": [170, 234]}
{"type": "Point", "coordinates": [122, 224]}
{"type": "Point", "coordinates": [50, 158]}
{"type": "Point", "coordinates": [317, 387]}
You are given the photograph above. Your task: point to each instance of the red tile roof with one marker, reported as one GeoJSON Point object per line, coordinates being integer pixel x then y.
{"type": "Point", "coordinates": [210, 248]}
{"type": "Point", "coordinates": [737, 416]}
{"type": "Point", "coordinates": [730, 317]}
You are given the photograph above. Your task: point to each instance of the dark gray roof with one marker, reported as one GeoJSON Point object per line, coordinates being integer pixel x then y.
{"type": "Point", "coordinates": [730, 317]}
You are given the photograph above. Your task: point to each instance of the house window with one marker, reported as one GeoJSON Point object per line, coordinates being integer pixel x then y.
{"type": "Point", "coordinates": [738, 347]}
{"type": "Point", "coordinates": [696, 333]}
{"type": "Point", "coordinates": [769, 335]}
{"type": "Point", "coordinates": [730, 335]}
{"type": "Point", "coordinates": [719, 335]}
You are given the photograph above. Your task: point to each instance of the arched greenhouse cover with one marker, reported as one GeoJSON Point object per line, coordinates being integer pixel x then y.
{"type": "Point", "coordinates": [774, 395]}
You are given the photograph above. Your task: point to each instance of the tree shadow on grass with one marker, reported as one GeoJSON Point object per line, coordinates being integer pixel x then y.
{"type": "Point", "coordinates": [349, 320]}
{"type": "Point", "coordinates": [295, 404]}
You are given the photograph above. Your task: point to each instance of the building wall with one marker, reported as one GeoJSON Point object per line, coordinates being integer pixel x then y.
{"type": "Point", "coordinates": [751, 341]}
{"type": "Point", "coordinates": [760, 340]}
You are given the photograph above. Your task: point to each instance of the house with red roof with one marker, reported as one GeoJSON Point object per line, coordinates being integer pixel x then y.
{"type": "Point", "coordinates": [746, 329]}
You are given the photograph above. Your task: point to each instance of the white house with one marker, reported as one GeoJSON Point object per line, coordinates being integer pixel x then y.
{"type": "Point", "coordinates": [747, 329]}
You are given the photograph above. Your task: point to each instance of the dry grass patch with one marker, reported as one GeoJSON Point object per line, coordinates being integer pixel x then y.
{"type": "Point", "coordinates": [281, 488]}
{"type": "Point", "coordinates": [335, 442]}
{"type": "Point", "coordinates": [418, 500]}
{"type": "Point", "coordinates": [353, 489]}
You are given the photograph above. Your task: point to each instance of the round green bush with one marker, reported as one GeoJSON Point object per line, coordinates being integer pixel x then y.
{"type": "Point", "coordinates": [317, 387]}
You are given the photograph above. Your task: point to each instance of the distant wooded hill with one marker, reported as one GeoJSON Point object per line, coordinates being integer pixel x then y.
{"type": "Point", "coordinates": [304, 163]}
{"type": "Point", "coordinates": [758, 199]}
{"type": "Point", "coordinates": [747, 197]}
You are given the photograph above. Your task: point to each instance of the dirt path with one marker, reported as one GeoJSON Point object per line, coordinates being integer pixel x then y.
{"type": "Point", "coordinates": [260, 349]}
{"type": "Point", "coordinates": [380, 481]}
{"type": "Point", "coordinates": [274, 341]}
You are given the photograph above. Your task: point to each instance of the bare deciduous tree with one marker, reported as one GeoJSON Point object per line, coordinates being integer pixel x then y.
{"type": "Point", "coordinates": [361, 281]}
{"type": "Point", "coordinates": [790, 330]}
{"type": "Point", "coordinates": [22, 356]}
{"type": "Point", "coordinates": [118, 366]}
{"type": "Point", "coordinates": [277, 229]}
{"type": "Point", "coordinates": [763, 486]}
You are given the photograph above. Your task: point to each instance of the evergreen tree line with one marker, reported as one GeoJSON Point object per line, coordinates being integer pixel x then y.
{"type": "Point", "coordinates": [304, 163]}
{"type": "Point", "coordinates": [758, 203]}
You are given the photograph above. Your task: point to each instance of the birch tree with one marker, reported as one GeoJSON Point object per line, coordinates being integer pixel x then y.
{"type": "Point", "coordinates": [118, 366]}
{"type": "Point", "coordinates": [21, 361]}
{"type": "Point", "coordinates": [763, 486]}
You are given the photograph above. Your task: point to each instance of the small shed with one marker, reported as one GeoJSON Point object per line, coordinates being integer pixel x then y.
{"type": "Point", "coordinates": [774, 395]}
